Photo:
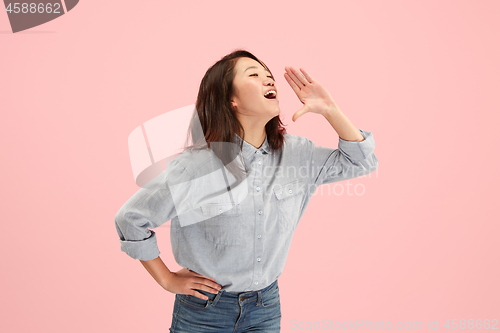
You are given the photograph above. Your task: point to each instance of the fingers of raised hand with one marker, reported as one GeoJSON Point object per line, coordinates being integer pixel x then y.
{"type": "Point", "coordinates": [307, 76]}
{"type": "Point", "coordinates": [292, 73]}
{"type": "Point", "coordinates": [300, 79]}
{"type": "Point", "coordinates": [292, 84]}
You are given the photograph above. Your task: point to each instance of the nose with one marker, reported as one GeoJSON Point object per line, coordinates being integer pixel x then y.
{"type": "Point", "coordinates": [269, 82]}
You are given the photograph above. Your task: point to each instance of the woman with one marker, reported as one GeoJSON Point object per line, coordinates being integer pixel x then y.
{"type": "Point", "coordinates": [231, 231]}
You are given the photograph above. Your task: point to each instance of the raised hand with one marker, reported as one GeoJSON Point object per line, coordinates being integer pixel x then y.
{"type": "Point", "coordinates": [311, 93]}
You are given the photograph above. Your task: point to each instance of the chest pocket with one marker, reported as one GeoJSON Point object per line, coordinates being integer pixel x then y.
{"type": "Point", "coordinates": [289, 198]}
{"type": "Point", "coordinates": [223, 223]}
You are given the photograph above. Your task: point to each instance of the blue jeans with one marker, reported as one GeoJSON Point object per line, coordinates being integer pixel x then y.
{"type": "Point", "coordinates": [228, 312]}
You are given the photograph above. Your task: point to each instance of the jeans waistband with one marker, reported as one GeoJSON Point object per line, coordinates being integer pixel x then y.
{"type": "Point", "coordinates": [245, 296]}
{"type": "Point", "coordinates": [249, 293]}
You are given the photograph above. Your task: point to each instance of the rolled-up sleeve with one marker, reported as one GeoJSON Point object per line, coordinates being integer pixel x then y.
{"type": "Point", "coordinates": [351, 159]}
{"type": "Point", "coordinates": [150, 207]}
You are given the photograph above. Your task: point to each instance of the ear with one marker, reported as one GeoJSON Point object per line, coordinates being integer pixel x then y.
{"type": "Point", "coordinates": [233, 104]}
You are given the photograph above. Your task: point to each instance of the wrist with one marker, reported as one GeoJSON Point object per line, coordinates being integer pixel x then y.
{"type": "Point", "coordinates": [332, 113]}
{"type": "Point", "coordinates": [166, 278]}
{"type": "Point", "coordinates": [333, 110]}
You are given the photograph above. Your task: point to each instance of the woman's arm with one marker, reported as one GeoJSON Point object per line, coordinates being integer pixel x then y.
{"type": "Point", "coordinates": [355, 155]}
{"type": "Point", "coordinates": [317, 99]}
{"type": "Point", "coordinates": [150, 207]}
{"type": "Point", "coordinates": [158, 270]}
{"type": "Point", "coordinates": [342, 125]}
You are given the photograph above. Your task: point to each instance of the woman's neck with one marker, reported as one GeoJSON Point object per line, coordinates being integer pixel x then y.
{"type": "Point", "coordinates": [255, 131]}
{"type": "Point", "coordinates": [255, 135]}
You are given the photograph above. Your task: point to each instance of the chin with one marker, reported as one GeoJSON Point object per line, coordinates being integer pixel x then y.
{"type": "Point", "coordinates": [275, 114]}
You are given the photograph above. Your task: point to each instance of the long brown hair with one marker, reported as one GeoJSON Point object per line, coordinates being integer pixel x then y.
{"type": "Point", "coordinates": [216, 116]}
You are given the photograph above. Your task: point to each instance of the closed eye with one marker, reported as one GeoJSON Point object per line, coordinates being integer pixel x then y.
{"type": "Point", "coordinates": [255, 74]}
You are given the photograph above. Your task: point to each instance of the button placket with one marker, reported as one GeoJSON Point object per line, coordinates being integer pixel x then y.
{"type": "Point", "coordinates": [259, 220]}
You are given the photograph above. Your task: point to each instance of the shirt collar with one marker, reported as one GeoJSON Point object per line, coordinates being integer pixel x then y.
{"type": "Point", "coordinates": [249, 150]}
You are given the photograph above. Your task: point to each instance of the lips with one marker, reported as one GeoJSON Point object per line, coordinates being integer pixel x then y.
{"type": "Point", "coordinates": [271, 94]}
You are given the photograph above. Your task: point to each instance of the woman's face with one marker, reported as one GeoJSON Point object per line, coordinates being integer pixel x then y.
{"type": "Point", "coordinates": [251, 84]}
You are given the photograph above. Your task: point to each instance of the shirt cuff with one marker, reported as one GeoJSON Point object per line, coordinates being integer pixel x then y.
{"type": "Point", "coordinates": [358, 150]}
{"type": "Point", "coordinates": [144, 250]}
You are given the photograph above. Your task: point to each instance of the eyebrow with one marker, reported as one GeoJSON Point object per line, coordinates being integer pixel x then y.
{"type": "Point", "coordinates": [257, 68]}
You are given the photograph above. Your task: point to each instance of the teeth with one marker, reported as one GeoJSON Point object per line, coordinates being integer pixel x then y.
{"type": "Point", "coordinates": [270, 92]}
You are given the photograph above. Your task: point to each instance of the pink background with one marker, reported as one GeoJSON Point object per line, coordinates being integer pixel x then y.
{"type": "Point", "coordinates": [421, 243]}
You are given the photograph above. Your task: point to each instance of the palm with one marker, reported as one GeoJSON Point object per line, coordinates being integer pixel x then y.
{"type": "Point", "coordinates": [311, 93]}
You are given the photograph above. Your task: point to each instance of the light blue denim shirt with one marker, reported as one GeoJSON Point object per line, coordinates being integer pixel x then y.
{"type": "Point", "coordinates": [241, 240]}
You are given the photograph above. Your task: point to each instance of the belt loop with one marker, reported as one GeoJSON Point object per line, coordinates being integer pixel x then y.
{"type": "Point", "coordinates": [259, 297]}
{"type": "Point", "coordinates": [216, 299]}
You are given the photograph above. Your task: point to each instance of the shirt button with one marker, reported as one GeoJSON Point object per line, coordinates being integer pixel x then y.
{"type": "Point", "coordinates": [260, 162]}
{"type": "Point", "coordinates": [258, 151]}
{"type": "Point", "coordinates": [259, 236]}
{"type": "Point", "coordinates": [257, 188]}
{"type": "Point", "coordinates": [260, 212]}
{"type": "Point", "coordinates": [290, 191]}
{"type": "Point", "coordinates": [256, 283]}
{"type": "Point", "coordinates": [258, 259]}
{"type": "Point", "coordinates": [220, 210]}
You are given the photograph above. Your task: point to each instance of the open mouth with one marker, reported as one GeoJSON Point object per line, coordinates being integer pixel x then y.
{"type": "Point", "coordinates": [271, 94]}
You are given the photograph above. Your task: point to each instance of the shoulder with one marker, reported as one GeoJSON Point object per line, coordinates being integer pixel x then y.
{"type": "Point", "coordinates": [293, 141]}
{"type": "Point", "coordinates": [192, 161]}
